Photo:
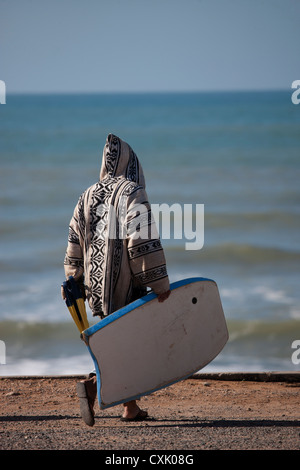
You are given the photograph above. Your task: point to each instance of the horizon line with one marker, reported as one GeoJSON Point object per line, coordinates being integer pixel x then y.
{"type": "Point", "coordinates": [145, 92]}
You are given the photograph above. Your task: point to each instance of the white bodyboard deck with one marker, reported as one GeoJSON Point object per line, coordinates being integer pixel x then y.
{"type": "Point", "coordinates": [148, 345]}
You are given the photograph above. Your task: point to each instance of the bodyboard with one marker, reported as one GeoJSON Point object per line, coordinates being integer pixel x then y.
{"type": "Point", "coordinates": [149, 345]}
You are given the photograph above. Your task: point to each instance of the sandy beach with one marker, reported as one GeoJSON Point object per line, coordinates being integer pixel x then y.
{"type": "Point", "coordinates": [205, 412]}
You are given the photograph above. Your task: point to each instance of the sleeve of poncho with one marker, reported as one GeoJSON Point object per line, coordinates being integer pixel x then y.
{"type": "Point", "coordinates": [73, 263]}
{"type": "Point", "coordinates": [145, 251]}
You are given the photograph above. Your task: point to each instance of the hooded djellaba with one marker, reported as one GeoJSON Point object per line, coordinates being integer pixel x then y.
{"type": "Point", "coordinates": [113, 243]}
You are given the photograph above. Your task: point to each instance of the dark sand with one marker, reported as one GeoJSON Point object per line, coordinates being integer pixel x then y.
{"type": "Point", "coordinates": [242, 412]}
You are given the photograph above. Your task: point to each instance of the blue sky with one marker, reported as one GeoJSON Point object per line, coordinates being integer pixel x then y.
{"type": "Point", "coordinates": [148, 45]}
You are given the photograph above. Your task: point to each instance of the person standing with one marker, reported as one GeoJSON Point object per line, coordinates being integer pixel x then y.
{"type": "Point", "coordinates": [114, 251]}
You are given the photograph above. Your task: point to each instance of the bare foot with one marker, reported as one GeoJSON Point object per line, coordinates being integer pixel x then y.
{"type": "Point", "coordinates": [132, 411]}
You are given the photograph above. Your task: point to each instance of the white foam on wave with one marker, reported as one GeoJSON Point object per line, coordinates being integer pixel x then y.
{"type": "Point", "coordinates": [272, 295]}
{"type": "Point", "coordinates": [52, 366]}
{"type": "Point", "coordinates": [82, 365]}
{"type": "Point", "coordinates": [295, 313]}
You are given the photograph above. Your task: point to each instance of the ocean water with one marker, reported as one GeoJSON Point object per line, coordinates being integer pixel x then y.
{"type": "Point", "coordinates": [236, 153]}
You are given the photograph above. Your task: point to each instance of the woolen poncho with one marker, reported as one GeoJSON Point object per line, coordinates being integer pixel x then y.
{"type": "Point", "coordinates": [113, 239]}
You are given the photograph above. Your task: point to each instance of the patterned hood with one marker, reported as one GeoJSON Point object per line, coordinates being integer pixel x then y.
{"type": "Point", "coordinates": [105, 244]}
{"type": "Point", "coordinates": [120, 160]}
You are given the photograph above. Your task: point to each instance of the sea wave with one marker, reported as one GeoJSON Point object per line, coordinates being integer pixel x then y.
{"type": "Point", "coordinates": [47, 348]}
{"type": "Point", "coordinates": [271, 219]}
{"type": "Point", "coordinates": [25, 332]}
{"type": "Point", "coordinates": [229, 252]}
{"type": "Point", "coordinates": [77, 364]}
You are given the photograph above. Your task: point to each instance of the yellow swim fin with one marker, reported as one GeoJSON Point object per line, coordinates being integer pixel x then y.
{"type": "Point", "coordinates": [75, 304]}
